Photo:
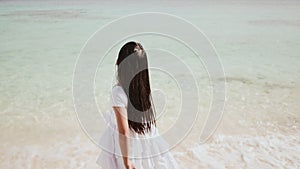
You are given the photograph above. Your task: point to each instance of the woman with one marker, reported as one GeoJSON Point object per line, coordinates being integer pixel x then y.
{"type": "Point", "coordinates": [132, 139]}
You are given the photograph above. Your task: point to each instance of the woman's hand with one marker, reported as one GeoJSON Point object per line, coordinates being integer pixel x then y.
{"type": "Point", "coordinates": [129, 165]}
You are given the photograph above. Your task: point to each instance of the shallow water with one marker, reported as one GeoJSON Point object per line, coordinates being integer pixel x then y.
{"type": "Point", "coordinates": [258, 44]}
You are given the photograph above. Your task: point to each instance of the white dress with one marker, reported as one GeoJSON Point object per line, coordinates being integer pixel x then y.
{"type": "Point", "coordinates": [149, 151]}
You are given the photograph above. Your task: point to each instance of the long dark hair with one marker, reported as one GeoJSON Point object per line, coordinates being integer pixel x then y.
{"type": "Point", "coordinates": [133, 76]}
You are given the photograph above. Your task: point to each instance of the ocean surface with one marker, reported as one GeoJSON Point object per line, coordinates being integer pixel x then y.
{"type": "Point", "coordinates": [258, 46]}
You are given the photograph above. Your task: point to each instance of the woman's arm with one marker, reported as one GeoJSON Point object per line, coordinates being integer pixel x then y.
{"type": "Point", "coordinates": [121, 116]}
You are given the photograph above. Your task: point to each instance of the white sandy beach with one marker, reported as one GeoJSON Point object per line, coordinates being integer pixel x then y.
{"type": "Point", "coordinates": [258, 44]}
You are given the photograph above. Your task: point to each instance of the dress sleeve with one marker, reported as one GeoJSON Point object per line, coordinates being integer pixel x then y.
{"type": "Point", "coordinates": [118, 97]}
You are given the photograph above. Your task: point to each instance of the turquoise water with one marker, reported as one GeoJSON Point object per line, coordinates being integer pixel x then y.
{"type": "Point", "coordinates": [257, 41]}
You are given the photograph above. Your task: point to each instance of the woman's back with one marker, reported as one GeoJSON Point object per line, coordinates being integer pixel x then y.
{"type": "Point", "coordinates": [147, 151]}
{"type": "Point", "coordinates": [132, 139]}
